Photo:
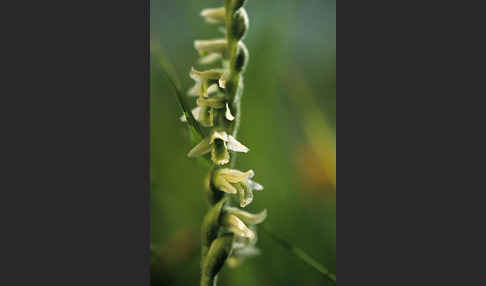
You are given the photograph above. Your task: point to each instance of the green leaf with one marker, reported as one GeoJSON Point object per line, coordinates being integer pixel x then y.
{"type": "Point", "coordinates": [300, 254]}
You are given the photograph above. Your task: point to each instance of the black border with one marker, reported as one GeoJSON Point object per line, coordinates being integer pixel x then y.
{"type": "Point", "coordinates": [75, 194]}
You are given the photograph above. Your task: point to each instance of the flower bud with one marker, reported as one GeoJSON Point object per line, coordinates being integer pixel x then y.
{"type": "Point", "coordinates": [240, 24]}
{"type": "Point", "coordinates": [213, 194]}
{"type": "Point", "coordinates": [241, 59]}
{"type": "Point", "coordinates": [236, 4]}
{"type": "Point", "coordinates": [218, 253]}
{"type": "Point", "coordinates": [211, 224]}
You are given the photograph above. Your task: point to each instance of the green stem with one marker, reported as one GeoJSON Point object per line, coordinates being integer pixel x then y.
{"type": "Point", "coordinates": [301, 255]}
{"type": "Point", "coordinates": [209, 281]}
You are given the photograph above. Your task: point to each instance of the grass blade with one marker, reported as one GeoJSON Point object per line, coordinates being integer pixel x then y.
{"type": "Point", "coordinates": [197, 133]}
{"type": "Point", "coordinates": [299, 253]}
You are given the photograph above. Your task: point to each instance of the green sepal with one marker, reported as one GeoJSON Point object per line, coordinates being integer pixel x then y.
{"type": "Point", "coordinates": [211, 225]}
{"type": "Point", "coordinates": [219, 251]}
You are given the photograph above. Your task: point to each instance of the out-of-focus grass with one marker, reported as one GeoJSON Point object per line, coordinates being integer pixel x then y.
{"type": "Point", "coordinates": [288, 122]}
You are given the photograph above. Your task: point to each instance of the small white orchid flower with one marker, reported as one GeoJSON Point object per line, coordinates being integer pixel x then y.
{"type": "Point", "coordinates": [202, 114]}
{"type": "Point", "coordinates": [236, 182]}
{"type": "Point", "coordinates": [214, 15]}
{"type": "Point", "coordinates": [197, 89]}
{"type": "Point", "coordinates": [210, 59]}
{"type": "Point", "coordinates": [218, 143]}
{"type": "Point", "coordinates": [217, 46]}
{"type": "Point", "coordinates": [205, 81]}
{"type": "Point", "coordinates": [243, 246]}
{"type": "Point", "coordinates": [246, 217]}
{"type": "Point", "coordinates": [235, 225]}
{"type": "Point", "coordinates": [243, 225]}
{"type": "Point", "coordinates": [213, 101]}
{"type": "Point", "coordinates": [211, 51]}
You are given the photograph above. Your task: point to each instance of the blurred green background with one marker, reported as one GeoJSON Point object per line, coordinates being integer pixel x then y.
{"type": "Point", "coordinates": [288, 122]}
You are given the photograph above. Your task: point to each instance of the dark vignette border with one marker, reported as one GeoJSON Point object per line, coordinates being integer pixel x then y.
{"type": "Point", "coordinates": [76, 143]}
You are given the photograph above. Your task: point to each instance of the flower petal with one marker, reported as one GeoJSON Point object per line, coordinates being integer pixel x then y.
{"type": "Point", "coordinates": [222, 82]}
{"type": "Point", "coordinates": [236, 146]}
{"type": "Point", "coordinates": [228, 114]}
{"type": "Point", "coordinates": [196, 90]}
{"type": "Point", "coordinates": [214, 102]}
{"type": "Point", "coordinates": [213, 74]}
{"type": "Point", "coordinates": [211, 46]}
{"type": "Point", "coordinates": [221, 184]}
{"type": "Point", "coordinates": [245, 195]}
{"type": "Point", "coordinates": [247, 217]}
{"type": "Point", "coordinates": [235, 225]}
{"type": "Point", "coordinates": [234, 176]}
{"type": "Point", "coordinates": [200, 149]}
{"type": "Point", "coordinates": [213, 88]}
{"type": "Point", "coordinates": [248, 251]}
{"type": "Point", "coordinates": [206, 117]}
{"type": "Point", "coordinates": [219, 152]}
{"type": "Point", "coordinates": [214, 15]}
{"type": "Point", "coordinates": [183, 118]}
{"type": "Point", "coordinates": [218, 135]}
{"type": "Point", "coordinates": [196, 112]}
{"type": "Point", "coordinates": [254, 185]}
{"type": "Point", "coordinates": [210, 59]}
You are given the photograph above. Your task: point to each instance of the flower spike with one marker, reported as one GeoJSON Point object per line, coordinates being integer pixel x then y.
{"type": "Point", "coordinates": [228, 233]}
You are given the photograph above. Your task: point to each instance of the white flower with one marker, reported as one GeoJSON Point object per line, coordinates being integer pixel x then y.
{"type": "Point", "coordinates": [236, 182]}
{"type": "Point", "coordinates": [235, 225]}
{"type": "Point", "coordinates": [243, 224]}
{"type": "Point", "coordinates": [243, 248]}
{"type": "Point", "coordinates": [197, 89]}
{"type": "Point", "coordinates": [205, 81]}
{"type": "Point", "coordinates": [202, 114]}
{"type": "Point", "coordinates": [218, 144]}
{"type": "Point", "coordinates": [217, 46]}
{"type": "Point", "coordinates": [213, 101]}
{"type": "Point", "coordinates": [205, 112]}
{"type": "Point", "coordinates": [210, 58]}
{"type": "Point", "coordinates": [214, 15]}
{"type": "Point", "coordinates": [246, 217]}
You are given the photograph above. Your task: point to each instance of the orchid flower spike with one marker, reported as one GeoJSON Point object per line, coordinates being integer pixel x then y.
{"type": "Point", "coordinates": [211, 51]}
